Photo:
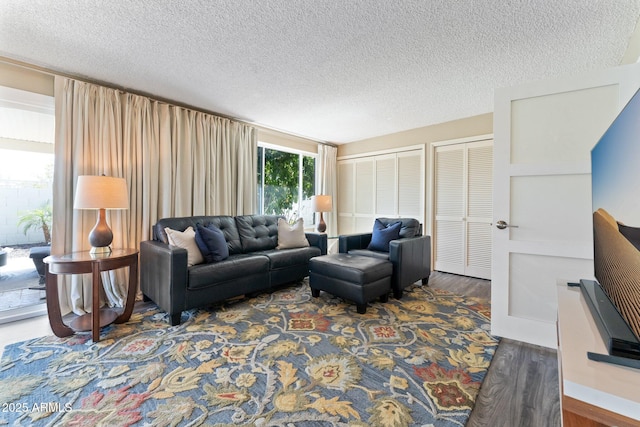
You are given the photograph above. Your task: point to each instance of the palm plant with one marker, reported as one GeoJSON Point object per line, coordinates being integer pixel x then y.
{"type": "Point", "coordinates": [37, 218]}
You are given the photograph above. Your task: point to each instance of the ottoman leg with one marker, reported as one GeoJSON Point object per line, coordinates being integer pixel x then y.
{"type": "Point", "coordinates": [315, 293]}
{"type": "Point", "coordinates": [361, 308]}
{"type": "Point", "coordinates": [174, 319]}
{"type": "Point", "coordinates": [384, 298]}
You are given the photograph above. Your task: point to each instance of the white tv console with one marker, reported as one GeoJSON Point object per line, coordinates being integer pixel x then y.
{"type": "Point", "coordinates": [591, 393]}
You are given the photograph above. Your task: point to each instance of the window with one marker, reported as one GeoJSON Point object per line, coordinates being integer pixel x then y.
{"type": "Point", "coordinates": [286, 182]}
{"type": "Point", "coordinates": [27, 133]}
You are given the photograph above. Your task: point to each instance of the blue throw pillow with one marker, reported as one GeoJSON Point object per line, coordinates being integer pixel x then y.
{"type": "Point", "coordinates": [382, 235]}
{"type": "Point", "coordinates": [212, 244]}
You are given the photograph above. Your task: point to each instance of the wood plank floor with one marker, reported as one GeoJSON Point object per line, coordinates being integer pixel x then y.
{"type": "Point", "coordinates": [521, 387]}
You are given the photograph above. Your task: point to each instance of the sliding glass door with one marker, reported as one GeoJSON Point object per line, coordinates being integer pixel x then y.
{"type": "Point", "coordinates": [27, 125]}
{"type": "Point", "coordinates": [286, 183]}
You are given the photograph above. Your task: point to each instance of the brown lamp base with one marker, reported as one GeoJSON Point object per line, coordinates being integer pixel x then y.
{"type": "Point", "coordinates": [322, 226]}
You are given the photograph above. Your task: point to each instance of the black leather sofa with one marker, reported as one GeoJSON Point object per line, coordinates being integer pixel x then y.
{"type": "Point", "coordinates": [254, 264]}
{"type": "Point", "coordinates": [410, 255]}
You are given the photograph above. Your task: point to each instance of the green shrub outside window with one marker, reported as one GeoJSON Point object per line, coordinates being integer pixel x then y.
{"type": "Point", "coordinates": [286, 183]}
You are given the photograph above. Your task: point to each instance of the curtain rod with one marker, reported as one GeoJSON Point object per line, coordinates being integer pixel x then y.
{"type": "Point", "coordinates": [55, 73]}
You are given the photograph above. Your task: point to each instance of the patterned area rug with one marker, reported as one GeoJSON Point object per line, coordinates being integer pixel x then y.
{"type": "Point", "coordinates": [283, 359]}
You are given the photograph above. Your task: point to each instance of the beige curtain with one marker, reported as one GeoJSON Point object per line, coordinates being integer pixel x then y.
{"type": "Point", "coordinates": [177, 162]}
{"type": "Point", "coordinates": [327, 183]}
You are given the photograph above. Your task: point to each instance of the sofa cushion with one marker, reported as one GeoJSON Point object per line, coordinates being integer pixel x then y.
{"type": "Point", "coordinates": [258, 232]}
{"type": "Point", "coordinates": [288, 257]}
{"type": "Point", "coordinates": [383, 234]}
{"type": "Point", "coordinates": [212, 243]}
{"type": "Point", "coordinates": [204, 275]}
{"type": "Point", "coordinates": [187, 240]}
{"type": "Point", "coordinates": [291, 236]}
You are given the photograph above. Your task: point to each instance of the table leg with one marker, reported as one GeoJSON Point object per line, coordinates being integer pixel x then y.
{"type": "Point", "coordinates": [131, 293]}
{"type": "Point", "coordinates": [53, 306]}
{"type": "Point", "coordinates": [95, 307]}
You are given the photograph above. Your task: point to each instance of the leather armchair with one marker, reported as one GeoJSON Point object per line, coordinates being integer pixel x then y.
{"type": "Point", "coordinates": [410, 255]}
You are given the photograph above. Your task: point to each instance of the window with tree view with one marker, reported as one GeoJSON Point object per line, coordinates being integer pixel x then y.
{"type": "Point", "coordinates": [286, 183]}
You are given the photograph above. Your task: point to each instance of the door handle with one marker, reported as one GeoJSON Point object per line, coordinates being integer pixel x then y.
{"type": "Point", "coordinates": [503, 224]}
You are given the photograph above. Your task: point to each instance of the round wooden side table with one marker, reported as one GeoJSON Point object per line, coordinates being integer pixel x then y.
{"type": "Point", "coordinates": [83, 263]}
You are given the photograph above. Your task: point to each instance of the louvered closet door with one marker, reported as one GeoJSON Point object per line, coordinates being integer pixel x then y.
{"type": "Point", "coordinates": [385, 186]}
{"type": "Point", "coordinates": [410, 185]}
{"type": "Point", "coordinates": [449, 209]}
{"type": "Point", "coordinates": [346, 196]}
{"type": "Point", "coordinates": [364, 195]}
{"type": "Point", "coordinates": [463, 208]}
{"type": "Point", "coordinates": [479, 208]}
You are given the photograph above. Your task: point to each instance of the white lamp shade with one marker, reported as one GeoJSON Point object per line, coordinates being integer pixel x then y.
{"type": "Point", "coordinates": [101, 192]}
{"type": "Point", "coordinates": [321, 203]}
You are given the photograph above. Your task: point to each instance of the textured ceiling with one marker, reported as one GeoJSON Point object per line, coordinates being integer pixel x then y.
{"type": "Point", "coordinates": [330, 70]}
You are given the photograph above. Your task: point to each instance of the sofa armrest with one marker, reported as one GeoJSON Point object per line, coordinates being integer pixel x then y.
{"type": "Point", "coordinates": [163, 275]}
{"type": "Point", "coordinates": [349, 242]}
{"type": "Point", "coordinates": [411, 258]}
{"type": "Point", "coordinates": [318, 240]}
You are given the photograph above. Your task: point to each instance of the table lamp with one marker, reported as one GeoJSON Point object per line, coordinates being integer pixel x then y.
{"type": "Point", "coordinates": [321, 203]}
{"type": "Point", "coordinates": [101, 193]}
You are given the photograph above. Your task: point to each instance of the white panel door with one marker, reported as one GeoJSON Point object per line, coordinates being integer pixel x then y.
{"type": "Point", "coordinates": [542, 191]}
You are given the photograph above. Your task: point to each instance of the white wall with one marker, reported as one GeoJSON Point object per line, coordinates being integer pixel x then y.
{"type": "Point", "coordinates": [18, 198]}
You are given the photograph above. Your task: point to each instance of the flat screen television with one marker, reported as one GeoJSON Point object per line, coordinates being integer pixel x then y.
{"type": "Point", "coordinates": [614, 297]}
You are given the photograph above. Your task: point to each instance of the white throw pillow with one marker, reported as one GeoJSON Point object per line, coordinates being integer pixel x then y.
{"type": "Point", "coordinates": [186, 239]}
{"type": "Point", "coordinates": [291, 236]}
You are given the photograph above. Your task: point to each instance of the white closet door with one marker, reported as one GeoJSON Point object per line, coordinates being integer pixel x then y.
{"type": "Point", "coordinates": [346, 196]}
{"type": "Point", "coordinates": [479, 208]}
{"type": "Point", "coordinates": [385, 185]}
{"type": "Point", "coordinates": [449, 208]}
{"type": "Point", "coordinates": [364, 196]}
{"type": "Point", "coordinates": [411, 185]}
{"type": "Point", "coordinates": [463, 208]}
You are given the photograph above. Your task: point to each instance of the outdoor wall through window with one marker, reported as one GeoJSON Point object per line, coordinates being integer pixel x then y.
{"type": "Point", "coordinates": [286, 183]}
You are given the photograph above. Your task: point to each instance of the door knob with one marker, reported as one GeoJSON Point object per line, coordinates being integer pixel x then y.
{"type": "Point", "coordinates": [503, 224]}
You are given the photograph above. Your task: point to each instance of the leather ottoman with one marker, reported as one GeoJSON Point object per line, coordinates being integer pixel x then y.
{"type": "Point", "coordinates": [359, 279]}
